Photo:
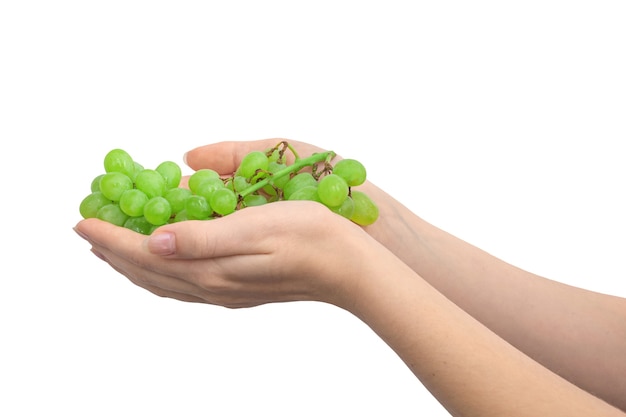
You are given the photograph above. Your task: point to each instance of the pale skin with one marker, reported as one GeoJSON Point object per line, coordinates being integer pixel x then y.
{"type": "Point", "coordinates": [485, 337]}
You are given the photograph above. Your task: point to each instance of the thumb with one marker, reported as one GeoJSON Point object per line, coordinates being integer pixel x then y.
{"type": "Point", "coordinates": [200, 239]}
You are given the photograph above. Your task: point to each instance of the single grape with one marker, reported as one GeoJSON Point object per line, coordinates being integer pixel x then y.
{"type": "Point", "coordinates": [140, 225]}
{"type": "Point", "coordinates": [113, 184]}
{"type": "Point", "coordinates": [95, 183]}
{"type": "Point", "coordinates": [239, 183]}
{"type": "Point", "coordinates": [223, 201]}
{"type": "Point", "coordinates": [201, 176]}
{"type": "Point", "coordinates": [275, 167]}
{"type": "Point", "coordinates": [254, 200]}
{"type": "Point", "coordinates": [273, 155]}
{"type": "Point", "coordinates": [346, 209]}
{"type": "Point", "coordinates": [118, 160]}
{"type": "Point", "coordinates": [208, 187]}
{"type": "Point", "coordinates": [171, 172]}
{"type": "Point", "coordinates": [181, 216]}
{"type": "Point", "coordinates": [157, 211]}
{"type": "Point", "coordinates": [251, 162]}
{"type": "Point", "coordinates": [132, 202]}
{"type": "Point", "coordinates": [176, 197]}
{"type": "Point", "coordinates": [308, 193]}
{"type": "Point", "coordinates": [351, 170]}
{"type": "Point", "coordinates": [137, 170]}
{"type": "Point", "coordinates": [90, 205]}
{"type": "Point", "coordinates": [299, 180]}
{"type": "Point", "coordinates": [276, 183]}
{"type": "Point", "coordinates": [151, 182]}
{"type": "Point", "coordinates": [197, 208]}
{"type": "Point", "coordinates": [365, 210]}
{"type": "Point", "coordinates": [113, 214]}
{"type": "Point", "coordinates": [332, 190]}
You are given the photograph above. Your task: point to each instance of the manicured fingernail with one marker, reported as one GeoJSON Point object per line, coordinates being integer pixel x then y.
{"type": "Point", "coordinates": [185, 158]}
{"type": "Point", "coordinates": [162, 244]}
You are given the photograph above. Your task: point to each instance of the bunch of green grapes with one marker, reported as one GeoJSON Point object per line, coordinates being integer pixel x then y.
{"type": "Point", "coordinates": [142, 199]}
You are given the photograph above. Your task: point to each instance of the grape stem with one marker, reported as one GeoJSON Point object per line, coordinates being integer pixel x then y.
{"type": "Point", "coordinates": [300, 163]}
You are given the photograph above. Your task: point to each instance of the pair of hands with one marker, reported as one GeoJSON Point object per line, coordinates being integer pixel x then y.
{"type": "Point", "coordinates": [284, 251]}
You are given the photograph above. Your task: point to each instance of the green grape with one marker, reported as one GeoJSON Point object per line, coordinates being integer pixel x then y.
{"type": "Point", "coordinates": [140, 225]}
{"type": "Point", "coordinates": [332, 190]}
{"type": "Point", "coordinates": [118, 160]}
{"type": "Point", "coordinates": [151, 182]}
{"type": "Point", "coordinates": [171, 172]}
{"type": "Point", "coordinates": [208, 187]}
{"type": "Point", "coordinates": [275, 183]}
{"type": "Point", "coordinates": [176, 197]}
{"type": "Point", "coordinates": [275, 167]}
{"type": "Point", "coordinates": [239, 183]}
{"type": "Point", "coordinates": [181, 216]}
{"type": "Point", "coordinates": [274, 156]}
{"type": "Point", "coordinates": [350, 170]}
{"type": "Point", "coordinates": [254, 200]}
{"type": "Point", "coordinates": [132, 202]}
{"type": "Point", "coordinates": [95, 183]}
{"type": "Point", "coordinates": [251, 162]}
{"type": "Point", "coordinates": [113, 184]}
{"type": "Point", "coordinates": [223, 201]}
{"type": "Point", "coordinates": [300, 180]}
{"type": "Point", "coordinates": [157, 211]}
{"type": "Point", "coordinates": [90, 205]}
{"type": "Point", "coordinates": [271, 191]}
{"type": "Point", "coordinates": [113, 214]}
{"type": "Point", "coordinates": [346, 209]}
{"type": "Point", "coordinates": [143, 199]}
{"type": "Point", "coordinates": [197, 208]}
{"type": "Point", "coordinates": [138, 168]}
{"type": "Point", "coordinates": [365, 210]}
{"type": "Point", "coordinates": [199, 177]}
{"type": "Point", "coordinates": [308, 193]}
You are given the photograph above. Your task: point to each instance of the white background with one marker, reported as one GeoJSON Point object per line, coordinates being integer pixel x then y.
{"type": "Point", "coordinates": [500, 122]}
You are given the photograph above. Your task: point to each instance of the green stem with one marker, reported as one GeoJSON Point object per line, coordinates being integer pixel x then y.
{"type": "Point", "coordinates": [295, 167]}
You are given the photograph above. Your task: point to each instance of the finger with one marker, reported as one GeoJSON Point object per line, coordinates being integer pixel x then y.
{"type": "Point", "coordinates": [259, 230]}
{"type": "Point", "coordinates": [165, 291]}
{"type": "Point", "coordinates": [224, 157]}
{"type": "Point", "coordinates": [123, 250]}
{"type": "Point", "coordinates": [202, 280]}
{"type": "Point", "coordinates": [244, 232]}
{"type": "Point", "coordinates": [161, 284]}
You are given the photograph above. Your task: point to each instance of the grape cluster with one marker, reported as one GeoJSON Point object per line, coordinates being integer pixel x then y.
{"type": "Point", "coordinates": [142, 199]}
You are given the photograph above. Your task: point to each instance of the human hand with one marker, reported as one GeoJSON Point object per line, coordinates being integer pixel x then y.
{"type": "Point", "coordinates": [390, 228]}
{"type": "Point", "coordinates": [283, 251]}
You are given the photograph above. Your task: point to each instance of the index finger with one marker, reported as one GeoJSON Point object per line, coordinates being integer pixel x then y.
{"type": "Point", "coordinates": [224, 157]}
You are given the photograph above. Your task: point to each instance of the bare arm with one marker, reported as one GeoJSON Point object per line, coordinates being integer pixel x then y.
{"type": "Point", "coordinates": [579, 334]}
{"type": "Point", "coordinates": [470, 369]}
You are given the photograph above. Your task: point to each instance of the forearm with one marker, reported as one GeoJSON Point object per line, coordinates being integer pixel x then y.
{"type": "Point", "coordinates": [467, 367]}
{"type": "Point", "coordinates": [578, 333]}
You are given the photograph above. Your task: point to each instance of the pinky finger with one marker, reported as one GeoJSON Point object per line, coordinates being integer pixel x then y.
{"type": "Point", "coordinates": [156, 290]}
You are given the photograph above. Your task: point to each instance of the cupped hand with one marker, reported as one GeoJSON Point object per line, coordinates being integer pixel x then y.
{"type": "Point", "coordinates": [278, 252]}
{"type": "Point", "coordinates": [390, 228]}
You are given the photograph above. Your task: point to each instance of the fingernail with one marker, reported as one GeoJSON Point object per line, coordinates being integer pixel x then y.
{"type": "Point", "coordinates": [161, 244]}
{"type": "Point", "coordinates": [99, 255]}
{"type": "Point", "coordinates": [81, 234]}
{"type": "Point", "coordinates": [185, 158]}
